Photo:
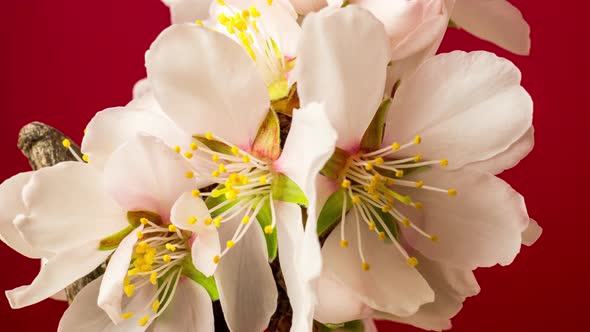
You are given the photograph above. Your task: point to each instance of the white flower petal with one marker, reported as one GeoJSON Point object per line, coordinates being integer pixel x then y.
{"type": "Point", "coordinates": [390, 277]}
{"type": "Point", "coordinates": [338, 303]}
{"type": "Point", "coordinates": [509, 157]}
{"type": "Point", "coordinates": [110, 296]}
{"type": "Point", "coordinates": [141, 88]}
{"type": "Point", "coordinates": [11, 206]}
{"type": "Point", "coordinates": [188, 11]}
{"type": "Point", "coordinates": [532, 233]}
{"type": "Point", "coordinates": [480, 227]}
{"type": "Point", "coordinates": [59, 271]}
{"type": "Point", "coordinates": [144, 174]}
{"type": "Point", "coordinates": [350, 84]}
{"type": "Point", "coordinates": [113, 127]}
{"type": "Point", "coordinates": [466, 106]}
{"type": "Point", "coordinates": [206, 82]}
{"type": "Point", "coordinates": [303, 7]}
{"type": "Point", "coordinates": [451, 287]}
{"type": "Point", "coordinates": [496, 21]}
{"type": "Point", "coordinates": [68, 207]}
{"type": "Point", "coordinates": [190, 310]}
{"type": "Point", "coordinates": [293, 265]}
{"type": "Point", "coordinates": [245, 282]}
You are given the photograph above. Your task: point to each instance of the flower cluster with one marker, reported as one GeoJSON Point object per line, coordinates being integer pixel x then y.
{"type": "Point", "coordinates": [336, 143]}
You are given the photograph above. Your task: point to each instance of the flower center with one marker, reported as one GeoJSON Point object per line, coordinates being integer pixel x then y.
{"type": "Point", "coordinates": [244, 186]}
{"type": "Point", "coordinates": [246, 28]}
{"type": "Point", "coordinates": [369, 183]}
{"type": "Point", "coordinates": [157, 259]}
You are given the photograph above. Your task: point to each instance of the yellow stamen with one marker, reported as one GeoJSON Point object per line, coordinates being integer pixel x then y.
{"type": "Point", "coordinates": [382, 236]}
{"type": "Point", "coordinates": [399, 173]}
{"type": "Point", "coordinates": [217, 222]}
{"type": "Point", "coordinates": [419, 184]}
{"type": "Point", "coordinates": [171, 228]}
{"type": "Point", "coordinates": [143, 321]}
{"type": "Point", "coordinates": [208, 134]}
{"type": "Point", "coordinates": [188, 155]}
{"type": "Point", "coordinates": [143, 221]}
{"type": "Point", "coordinates": [369, 165]}
{"type": "Point", "coordinates": [356, 199]}
{"type": "Point", "coordinates": [154, 278]}
{"type": "Point", "coordinates": [215, 158]}
{"type": "Point", "coordinates": [412, 261]}
{"type": "Point", "coordinates": [395, 146]}
{"type": "Point", "coordinates": [85, 157]}
{"type": "Point", "coordinates": [235, 150]}
{"type": "Point", "coordinates": [434, 238]}
{"type": "Point", "coordinates": [245, 220]}
{"type": "Point", "coordinates": [189, 175]}
{"type": "Point", "coordinates": [452, 192]}
{"type": "Point", "coordinates": [216, 259]}
{"type": "Point", "coordinates": [405, 222]}
{"type": "Point", "coordinates": [246, 159]}
{"type": "Point", "coordinates": [215, 174]}
{"type": "Point", "coordinates": [417, 157]}
{"type": "Point", "coordinates": [177, 149]}
{"type": "Point", "coordinates": [192, 220]}
{"type": "Point", "coordinates": [263, 179]}
{"type": "Point", "coordinates": [194, 146]}
{"type": "Point", "coordinates": [129, 290]}
{"type": "Point", "coordinates": [229, 244]}
{"type": "Point", "coordinates": [343, 243]}
{"type": "Point", "coordinates": [208, 221]}
{"type": "Point", "coordinates": [170, 247]}
{"type": "Point", "coordinates": [379, 161]}
{"type": "Point", "coordinates": [167, 258]}
{"type": "Point", "coordinates": [155, 306]}
{"type": "Point", "coordinates": [366, 266]}
{"type": "Point", "coordinates": [139, 235]}
{"type": "Point", "coordinates": [196, 193]}
{"type": "Point", "coordinates": [127, 315]}
{"type": "Point", "coordinates": [372, 225]}
{"type": "Point", "coordinates": [346, 184]}
{"type": "Point", "coordinates": [66, 143]}
{"type": "Point", "coordinates": [268, 229]}
{"type": "Point", "coordinates": [444, 163]}
{"type": "Point", "coordinates": [417, 140]}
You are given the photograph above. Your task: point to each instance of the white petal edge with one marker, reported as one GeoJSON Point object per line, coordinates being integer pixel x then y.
{"type": "Point", "coordinates": [532, 233]}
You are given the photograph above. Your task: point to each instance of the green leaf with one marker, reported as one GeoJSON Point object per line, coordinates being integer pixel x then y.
{"type": "Point", "coordinates": [112, 241]}
{"type": "Point", "coordinates": [284, 189]}
{"type": "Point", "coordinates": [335, 164]}
{"type": "Point", "coordinates": [332, 212]}
{"type": "Point", "coordinates": [373, 136]}
{"type": "Point", "coordinates": [134, 217]}
{"type": "Point", "coordinates": [264, 218]}
{"type": "Point", "coordinates": [267, 143]}
{"type": "Point", "coordinates": [214, 145]}
{"type": "Point", "coordinates": [189, 270]}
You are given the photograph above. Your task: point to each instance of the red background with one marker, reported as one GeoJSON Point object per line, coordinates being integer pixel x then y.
{"type": "Point", "coordinates": [63, 60]}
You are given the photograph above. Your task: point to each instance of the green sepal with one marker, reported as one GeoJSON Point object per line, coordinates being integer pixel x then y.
{"type": "Point", "coordinates": [214, 145]}
{"type": "Point", "coordinates": [134, 217]}
{"type": "Point", "coordinates": [331, 212]}
{"type": "Point", "coordinates": [453, 24]}
{"type": "Point", "coordinates": [335, 164]}
{"type": "Point", "coordinates": [373, 136]}
{"type": "Point", "coordinates": [112, 241]}
{"type": "Point", "coordinates": [264, 218]}
{"type": "Point", "coordinates": [208, 283]}
{"type": "Point", "coordinates": [267, 143]}
{"type": "Point", "coordinates": [352, 326]}
{"type": "Point", "coordinates": [287, 104]}
{"type": "Point", "coordinates": [286, 190]}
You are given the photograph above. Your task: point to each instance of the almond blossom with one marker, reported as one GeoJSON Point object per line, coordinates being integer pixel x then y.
{"type": "Point", "coordinates": [77, 216]}
{"type": "Point", "coordinates": [410, 181]}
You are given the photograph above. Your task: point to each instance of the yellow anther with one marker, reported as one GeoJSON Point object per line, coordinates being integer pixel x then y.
{"type": "Point", "coordinates": [217, 222]}
{"type": "Point", "coordinates": [230, 244]}
{"type": "Point", "coordinates": [133, 272]}
{"type": "Point", "coordinates": [129, 290]}
{"type": "Point", "coordinates": [268, 229]}
{"type": "Point", "coordinates": [366, 266]}
{"type": "Point", "coordinates": [376, 196]}
{"type": "Point", "coordinates": [155, 306]}
{"type": "Point", "coordinates": [170, 247]}
{"type": "Point", "coordinates": [144, 320]}
{"type": "Point", "coordinates": [194, 146]}
{"type": "Point", "coordinates": [246, 159]}
{"type": "Point", "coordinates": [254, 11]}
{"type": "Point", "coordinates": [215, 174]}
{"type": "Point", "coordinates": [263, 179]}
{"type": "Point", "coordinates": [419, 184]}
{"type": "Point", "coordinates": [372, 225]}
{"type": "Point", "coordinates": [66, 143]}
{"type": "Point", "coordinates": [126, 281]}
{"type": "Point", "coordinates": [379, 161]}
{"type": "Point", "coordinates": [255, 26]}
{"type": "Point", "coordinates": [199, 22]}
{"type": "Point", "coordinates": [216, 259]}
{"type": "Point", "coordinates": [127, 315]}
{"type": "Point", "coordinates": [417, 157]}
{"type": "Point", "coordinates": [196, 193]}
{"type": "Point", "coordinates": [346, 184]}
{"type": "Point", "coordinates": [235, 150]}
{"type": "Point", "coordinates": [269, 2]}
{"type": "Point", "coordinates": [245, 14]}
{"type": "Point", "coordinates": [208, 135]}
{"type": "Point", "coordinates": [245, 220]}
{"type": "Point", "coordinates": [221, 2]}
{"type": "Point", "coordinates": [222, 168]}
{"type": "Point", "coordinates": [444, 162]}
{"type": "Point", "coordinates": [386, 208]}
{"type": "Point", "coordinates": [412, 261]}
{"type": "Point", "coordinates": [395, 146]}
{"type": "Point", "coordinates": [382, 236]}
{"type": "Point", "coordinates": [343, 243]}
{"type": "Point", "coordinates": [85, 157]}
{"type": "Point", "coordinates": [189, 175]}
{"type": "Point", "coordinates": [417, 139]}
{"type": "Point", "coordinates": [188, 155]}
{"type": "Point", "coordinates": [399, 173]}
{"type": "Point", "coordinates": [192, 220]}
{"type": "Point", "coordinates": [208, 221]}
{"type": "Point", "coordinates": [452, 192]}
{"type": "Point", "coordinates": [405, 222]}
{"type": "Point", "coordinates": [139, 235]}
{"type": "Point", "coordinates": [215, 158]}
{"type": "Point", "coordinates": [418, 205]}
{"type": "Point", "coordinates": [167, 258]}
{"type": "Point", "coordinates": [143, 221]}
{"type": "Point", "coordinates": [154, 278]}
{"type": "Point", "coordinates": [369, 165]}
{"type": "Point", "coordinates": [171, 228]}
{"type": "Point", "coordinates": [244, 179]}
{"type": "Point", "coordinates": [356, 199]}
{"type": "Point", "coordinates": [434, 238]}
{"type": "Point", "coordinates": [177, 149]}
{"type": "Point", "coordinates": [221, 18]}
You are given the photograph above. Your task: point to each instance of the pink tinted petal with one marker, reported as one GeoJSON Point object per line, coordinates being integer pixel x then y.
{"type": "Point", "coordinates": [303, 7]}
{"type": "Point", "coordinates": [338, 303]}
{"type": "Point", "coordinates": [532, 233]}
